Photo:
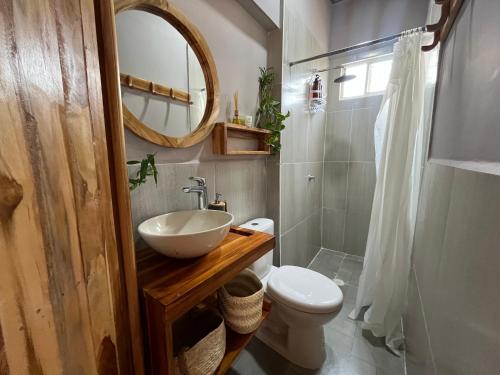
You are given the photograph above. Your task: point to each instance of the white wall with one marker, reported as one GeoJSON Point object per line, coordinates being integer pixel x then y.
{"type": "Point", "coordinates": [452, 324]}
{"type": "Point", "coordinates": [467, 134]}
{"type": "Point", "coordinates": [267, 12]}
{"type": "Point", "coordinates": [271, 8]}
{"type": "Point", "coordinates": [239, 47]}
{"type": "Point", "coordinates": [357, 21]}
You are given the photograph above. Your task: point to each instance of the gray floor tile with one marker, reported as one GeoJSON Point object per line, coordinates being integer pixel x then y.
{"type": "Point", "coordinates": [350, 270]}
{"type": "Point", "coordinates": [258, 359]}
{"type": "Point", "coordinates": [327, 263]}
{"type": "Point", "coordinates": [355, 257]}
{"type": "Point", "coordinates": [372, 350]}
{"type": "Point", "coordinates": [342, 343]}
{"type": "Point", "coordinates": [340, 253]}
{"type": "Point", "coordinates": [342, 323]}
{"type": "Point", "coordinates": [350, 293]}
{"type": "Point", "coordinates": [350, 350]}
{"type": "Point", "coordinates": [354, 280]}
{"type": "Point", "coordinates": [352, 263]}
{"type": "Point", "coordinates": [344, 275]}
{"type": "Point", "coordinates": [332, 358]}
{"type": "Point", "coordinates": [354, 366]}
{"type": "Point", "coordinates": [338, 365]}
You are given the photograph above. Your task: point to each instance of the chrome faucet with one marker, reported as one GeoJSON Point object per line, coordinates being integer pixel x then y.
{"type": "Point", "coordinates": [200, 189]}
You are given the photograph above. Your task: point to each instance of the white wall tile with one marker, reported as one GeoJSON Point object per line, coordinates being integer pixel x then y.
{"type": "Point", "coordinates": [243, 186]}
{"type": "Point", "coordinates": [456, 263]}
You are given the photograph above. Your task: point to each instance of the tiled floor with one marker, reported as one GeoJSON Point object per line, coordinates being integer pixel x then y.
{"type": "Point", "coordinates": [350, 350]}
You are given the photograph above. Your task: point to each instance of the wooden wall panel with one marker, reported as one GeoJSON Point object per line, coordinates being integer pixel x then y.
{"type": "Point", "coordinates": [108, 54]}
{"type": "Point", "coordinates": [62, 300]}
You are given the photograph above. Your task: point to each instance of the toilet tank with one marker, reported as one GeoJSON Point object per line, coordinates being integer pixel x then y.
{"type": "Point", "coordinates": [262, 266]}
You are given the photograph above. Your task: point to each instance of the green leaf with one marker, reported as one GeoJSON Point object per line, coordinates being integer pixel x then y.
{"type": "Point", "coordinates": [268, 115]}
{"type": "Point", "coordinates": [144, 169]}
{"type": "Point", "coordinates": [147, 168]}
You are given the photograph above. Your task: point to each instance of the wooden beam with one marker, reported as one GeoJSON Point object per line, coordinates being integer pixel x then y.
{"type": "Point", "coordinates": [119, 175]}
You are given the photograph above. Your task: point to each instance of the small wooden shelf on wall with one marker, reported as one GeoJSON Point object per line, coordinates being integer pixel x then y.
{"type": "Point", "coordinates": [225, 131]}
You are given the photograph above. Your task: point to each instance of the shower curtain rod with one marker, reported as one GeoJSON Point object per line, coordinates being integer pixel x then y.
{"type": "Point", "coordinates": [358, 46]}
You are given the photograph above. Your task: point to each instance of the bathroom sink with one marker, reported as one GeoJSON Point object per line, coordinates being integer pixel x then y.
{"type": "Point", "coordinates": [186, 234]}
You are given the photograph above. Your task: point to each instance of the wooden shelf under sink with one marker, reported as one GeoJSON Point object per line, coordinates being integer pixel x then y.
{"type": "Point", "coordinates": [224, 132]}
{"type": "Point", "coordinates": [171, 287]}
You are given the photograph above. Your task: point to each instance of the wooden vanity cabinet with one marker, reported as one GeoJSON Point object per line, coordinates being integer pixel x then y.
{"type": "Point", "coordinates": [171, 287]}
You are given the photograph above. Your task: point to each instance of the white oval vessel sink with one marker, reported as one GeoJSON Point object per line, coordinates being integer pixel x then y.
{"type": "Point", "coordinates": [186, 234]}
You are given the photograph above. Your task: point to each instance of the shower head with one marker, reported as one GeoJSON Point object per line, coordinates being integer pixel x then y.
{"type": "Point", "coordinates": [343, 77]}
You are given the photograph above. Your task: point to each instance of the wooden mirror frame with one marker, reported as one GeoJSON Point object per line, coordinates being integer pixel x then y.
{"type": "Point", "coordinates": [172, 15]}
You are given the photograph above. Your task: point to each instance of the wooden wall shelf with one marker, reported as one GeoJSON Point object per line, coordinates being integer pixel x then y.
{"type": "Point", "coordinates": [224, 131]}
{"type": "Point", "coordinates": [171, 287]}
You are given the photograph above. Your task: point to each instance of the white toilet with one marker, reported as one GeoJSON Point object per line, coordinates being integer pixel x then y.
{"type": "Point", "coordinates": [303, 302]}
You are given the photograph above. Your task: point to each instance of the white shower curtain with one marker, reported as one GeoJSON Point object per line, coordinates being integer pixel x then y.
{"type": "Point", "coordinates": [400, 124]}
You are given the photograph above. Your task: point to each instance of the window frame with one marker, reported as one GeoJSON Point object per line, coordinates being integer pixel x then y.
{"type": "Point", "coordinates": [367, 62]}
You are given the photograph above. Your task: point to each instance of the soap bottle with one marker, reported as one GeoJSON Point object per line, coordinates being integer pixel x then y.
{"type": "Point", "coordinates": [218, 204]}
{"type": "Point", "coordinates": [317, 88]}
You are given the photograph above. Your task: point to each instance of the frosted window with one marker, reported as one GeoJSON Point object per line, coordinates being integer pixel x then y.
{"type": "Point", "coordinates": [372, 77]}
{"type": "Point", "coordinates": [356, 87]}
{"type": "Point", "coordinates": [378, 76]}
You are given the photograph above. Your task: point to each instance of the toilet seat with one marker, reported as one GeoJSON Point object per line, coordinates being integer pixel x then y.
{"type": "Point", "coordinates": [304, 290]}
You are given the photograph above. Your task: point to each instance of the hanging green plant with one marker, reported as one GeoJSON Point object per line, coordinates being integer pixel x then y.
{"type": "Point", "coordinates": [269, 114]}
{"type": "Point", "coordinates": [147, 168]}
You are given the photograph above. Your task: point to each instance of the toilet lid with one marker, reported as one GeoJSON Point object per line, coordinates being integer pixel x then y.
{"type": "Point", "coordinates": [304, 290]}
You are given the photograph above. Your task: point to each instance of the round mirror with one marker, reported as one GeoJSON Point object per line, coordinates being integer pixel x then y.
{"type": "Point", "coordinates": [168, 77]}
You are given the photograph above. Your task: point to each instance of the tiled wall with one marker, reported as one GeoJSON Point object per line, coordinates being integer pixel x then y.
{"type": "Point", "coordinates": [453, 325]}
{"type": "Point", "coordinates": [302, 152]}
{"type": "Point", "coordinates": [349, 179]}
{"type": "Point", "coordinates": [349, 168]}
{"type": "Point", "coordinates": [241, 182]}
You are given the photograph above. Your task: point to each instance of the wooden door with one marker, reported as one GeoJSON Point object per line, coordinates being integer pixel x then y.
{"type": "Point", "coordinates": [63, 307]}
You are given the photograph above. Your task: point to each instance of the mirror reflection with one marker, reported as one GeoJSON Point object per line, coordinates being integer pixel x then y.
{"type": "Point", "coordinates": [163, 84]}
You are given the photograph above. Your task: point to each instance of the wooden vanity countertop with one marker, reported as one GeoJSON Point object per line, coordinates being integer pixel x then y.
{"type": "Point", "coordinates": [178, 284]}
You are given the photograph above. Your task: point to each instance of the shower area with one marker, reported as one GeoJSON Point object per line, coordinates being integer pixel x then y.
{"type": "Point", "coordinates": [328, 174]}
{"type": "Point", "coordinates": [349, 173]}
{"type": "Point", "coordinates": [351, 164]}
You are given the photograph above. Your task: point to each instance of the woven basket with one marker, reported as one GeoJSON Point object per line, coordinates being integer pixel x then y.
{"type": "Point", "coordinates": [240, 301]}
{"type": "Point", "coordinates": [200, 342]}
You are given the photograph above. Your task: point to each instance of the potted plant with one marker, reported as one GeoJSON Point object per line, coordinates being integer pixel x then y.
{"type": "Point", "coordinates": [269, 114]}
{"type": "Point", "coordinates": [147, 168]}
